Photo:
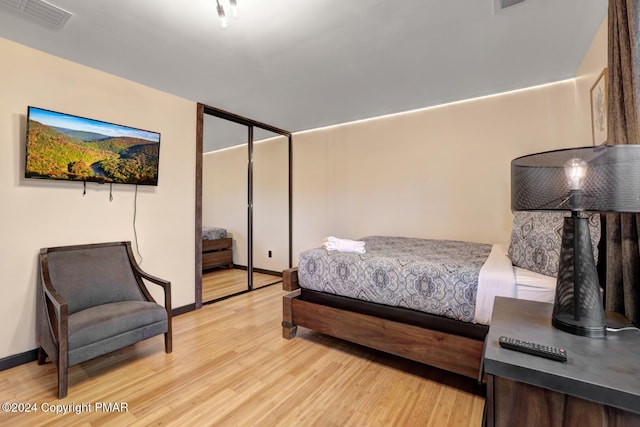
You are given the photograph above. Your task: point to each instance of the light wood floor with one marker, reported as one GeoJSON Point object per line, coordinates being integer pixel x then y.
{"type": "Point", "coordinates": [222, 282]}
{"type": "Point", "coordinates": [230, 367]}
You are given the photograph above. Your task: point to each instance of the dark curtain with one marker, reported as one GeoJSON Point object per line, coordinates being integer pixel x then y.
{"type": "Point", "coordinates": [622, 283]}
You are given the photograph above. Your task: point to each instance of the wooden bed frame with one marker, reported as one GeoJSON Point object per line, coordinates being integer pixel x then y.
{"type": "Point", "coordinates": [217, 253]}
{"type": "Point", "coordinates": [447, 351]}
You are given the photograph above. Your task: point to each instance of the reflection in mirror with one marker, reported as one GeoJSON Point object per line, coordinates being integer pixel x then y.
{"type": "Point", "coordinates": [270, 208]}
{"type": "Point", "coordinates": [224, 207]}
{"type": "Point", "coordinates": [257, 222]}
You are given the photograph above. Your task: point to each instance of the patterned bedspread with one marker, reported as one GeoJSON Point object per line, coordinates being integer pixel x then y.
{"type": "Point", "coordinates": [212, 233]}
{"type": "Point", "coordinates": [435, 276]}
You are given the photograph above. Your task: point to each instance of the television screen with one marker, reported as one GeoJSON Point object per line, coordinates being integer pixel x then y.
{"type": "Point", "coordinates": [67, 147]}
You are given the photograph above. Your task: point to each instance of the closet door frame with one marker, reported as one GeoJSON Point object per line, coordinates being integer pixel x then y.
{"type": "Point", "coordinates": [203, 109]}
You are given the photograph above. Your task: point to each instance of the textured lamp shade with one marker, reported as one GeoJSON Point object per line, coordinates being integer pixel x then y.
{"type": "Point", "coordinates": [611, 183]}
{"type": "Point", "coordinates": [596, 179]}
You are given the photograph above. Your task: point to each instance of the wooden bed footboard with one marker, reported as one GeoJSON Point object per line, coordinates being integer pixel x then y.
{"type": "Point", "coordinates": [290, 279]}
{"type": "Point", "coordinates": [445, 351]}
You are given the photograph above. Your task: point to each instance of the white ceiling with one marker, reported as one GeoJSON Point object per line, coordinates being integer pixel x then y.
{"type": "Point", "coordinates": [299, 65]}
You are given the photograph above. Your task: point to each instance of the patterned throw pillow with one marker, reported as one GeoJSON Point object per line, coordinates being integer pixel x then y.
{"type": "Point", "coordinates": [536, 238]}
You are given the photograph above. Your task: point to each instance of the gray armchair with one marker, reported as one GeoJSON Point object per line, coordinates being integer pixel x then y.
{"type": "Point", "coordinates": [92, 301]}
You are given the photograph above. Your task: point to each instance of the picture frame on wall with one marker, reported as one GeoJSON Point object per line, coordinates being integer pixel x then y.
{"type": "Point", "coordinates": [599, 109]}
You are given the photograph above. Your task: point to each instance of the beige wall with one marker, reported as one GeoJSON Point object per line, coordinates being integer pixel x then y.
{"type": "Point", "coordinates": [441, 172]}
{"type": "Point", "coordinates": [39, 213]}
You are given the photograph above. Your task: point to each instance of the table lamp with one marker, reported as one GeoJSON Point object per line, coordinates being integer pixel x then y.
{"type": "Point", "coordinates": [587, 179]}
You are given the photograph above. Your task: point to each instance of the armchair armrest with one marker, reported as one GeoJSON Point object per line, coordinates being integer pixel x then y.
{"type": "Point", "coordinates": [165, 284]}
{"type": "Point", "coordinates": [55, 312]}
{"type": "Point", "coordinates": [158, 281]}
{"type": "Point", "coordinates": [141, 274]}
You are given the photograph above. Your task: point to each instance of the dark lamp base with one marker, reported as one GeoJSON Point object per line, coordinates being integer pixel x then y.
{"type": "Point", "coordinates": [578, 307]}
{"type": "Point", "coordinates": [566, 322]}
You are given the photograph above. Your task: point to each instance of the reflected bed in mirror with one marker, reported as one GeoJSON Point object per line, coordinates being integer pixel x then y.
{"type": "Point", "coordinates": [217, 248]}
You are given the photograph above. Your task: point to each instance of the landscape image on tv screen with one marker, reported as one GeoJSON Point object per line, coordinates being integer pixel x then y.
{"type": "Point", "coordinates": [67, 147]}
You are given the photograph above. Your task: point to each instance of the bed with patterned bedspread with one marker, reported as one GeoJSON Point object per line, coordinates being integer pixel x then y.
{"type": "Point", "coordinates": [425, 300]}
{"type": "Point", "coordinates": [434, 276]}
{"type": "Point", "coordinates": [405, 296]}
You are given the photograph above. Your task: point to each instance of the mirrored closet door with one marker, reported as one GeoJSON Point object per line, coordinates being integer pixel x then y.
{"type": "Point", "coordinates": [243, 204]}
{"type": "Point", "coordinates": [224, 209]}
{"type": "Point", "coordinates": [270, 207]}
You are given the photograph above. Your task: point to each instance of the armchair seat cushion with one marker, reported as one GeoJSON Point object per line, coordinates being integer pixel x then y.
{"type": "Point", "coordinates": [107, 327]}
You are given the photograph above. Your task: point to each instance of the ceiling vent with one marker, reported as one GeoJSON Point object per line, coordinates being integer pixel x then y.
{"type": "Point", "coordinates": [40, 11]}
{"type": "Point", "coordinates": [499, 5]}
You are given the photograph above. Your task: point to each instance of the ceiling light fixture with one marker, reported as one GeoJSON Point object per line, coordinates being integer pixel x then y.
{"type": "Point", "coordinates": [222, 16]}
{"type": "Point", "coordinates": [233, 5]}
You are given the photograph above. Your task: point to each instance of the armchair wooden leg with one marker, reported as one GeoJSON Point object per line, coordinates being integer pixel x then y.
{"type": "Point", "coordinates": [62, 382]}
{"type": "Point", "coordinates": [42, 356]}
{"type": "Point", "coordinates": [168, 343]}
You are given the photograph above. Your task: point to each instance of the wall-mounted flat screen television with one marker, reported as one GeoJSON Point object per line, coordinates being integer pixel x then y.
{"type": "Point", "coordinates": [66, 147]}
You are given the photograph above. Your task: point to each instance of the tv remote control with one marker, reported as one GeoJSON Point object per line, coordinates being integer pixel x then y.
{"type": "Point", "coordinates": [546, 351]}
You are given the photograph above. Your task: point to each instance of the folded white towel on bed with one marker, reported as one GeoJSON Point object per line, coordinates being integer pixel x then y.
{"type": "Point", "coordinates": [343, 245]}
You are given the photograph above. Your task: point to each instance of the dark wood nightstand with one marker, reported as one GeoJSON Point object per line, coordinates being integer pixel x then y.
{"type": "Point", "coordinates": [599, 385]}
